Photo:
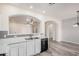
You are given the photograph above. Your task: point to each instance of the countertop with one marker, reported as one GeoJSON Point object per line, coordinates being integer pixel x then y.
{"type": "Point", "coordinates": [4, 42]}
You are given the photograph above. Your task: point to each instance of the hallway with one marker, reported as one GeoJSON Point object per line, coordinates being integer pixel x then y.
{"type": "Point", "coordinates": [62, 49]}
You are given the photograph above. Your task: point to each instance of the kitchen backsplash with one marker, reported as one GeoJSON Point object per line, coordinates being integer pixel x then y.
{"type": "Point", "coordinates": [2, 33]}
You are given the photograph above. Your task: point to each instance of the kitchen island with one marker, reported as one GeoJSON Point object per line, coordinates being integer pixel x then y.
{"type": "Point", "coordinates": [20, 46]}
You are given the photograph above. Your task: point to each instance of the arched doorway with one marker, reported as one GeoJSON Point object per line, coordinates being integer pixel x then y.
{"type": "Point", "coordinates": [23, 24]}
{"type": "Point", "coordinates": [50, 31]}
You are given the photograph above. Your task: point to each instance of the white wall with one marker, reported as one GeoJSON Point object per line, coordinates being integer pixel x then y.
{"type": "Point", "coordinates": [18, 28]}
{"type": "Point", "coordinates": [7, 10]}
{"type": "Point", "coordinates": [69, 33]}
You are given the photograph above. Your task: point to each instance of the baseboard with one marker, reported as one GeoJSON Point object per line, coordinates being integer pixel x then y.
{"type": "Point", "coordinates": [70, 42]}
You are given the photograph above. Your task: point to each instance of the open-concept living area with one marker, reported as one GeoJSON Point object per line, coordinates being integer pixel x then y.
{"type": "Point", "coordinates": [39, 29]}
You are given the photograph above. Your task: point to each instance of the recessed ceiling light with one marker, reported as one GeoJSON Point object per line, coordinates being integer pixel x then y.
{"type": "Point", "coordinates": [31, 7]}
{"type": "Point", "coordinates": [43, 11]}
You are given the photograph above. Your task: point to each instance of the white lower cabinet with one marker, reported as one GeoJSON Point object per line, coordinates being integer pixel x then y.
{"type": "Point", "coordinates": [37, 46]}
{"type": "Point", "coordinates": [33, 47]}
{"type": "Point", "coordinates": [27, 48]}
{"type": "Point", "coordinates": [22, 49]}
{"type": "Point", "coordinates": [18, 49]}
{"type": "Point", "coordinates": [13, 51]}
{"type": "Point", "coordinates": [30, 47]}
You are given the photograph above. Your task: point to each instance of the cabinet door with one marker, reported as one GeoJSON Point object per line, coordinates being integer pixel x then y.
{"type": "Point", "coordinates": [13, 51]}
{"type": "Point", "coordinates": [37, 46]}
{"type": "Point", "coordinates": [18, 49]}
{"type": "Point", "coordinates": [22, 49]}
{"type": "Point", "coordinates": [30, 47]}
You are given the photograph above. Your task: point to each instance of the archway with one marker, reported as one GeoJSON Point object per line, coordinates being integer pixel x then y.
{"type": "Point", "coordinates": [51, 31]}
{"type": "Point", "coordinates": [23, 24]}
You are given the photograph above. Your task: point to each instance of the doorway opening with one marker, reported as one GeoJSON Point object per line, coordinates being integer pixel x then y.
{"type": "Point", "coordinates": [50, 31]}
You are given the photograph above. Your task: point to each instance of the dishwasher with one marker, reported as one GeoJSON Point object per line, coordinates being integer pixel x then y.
{"type": "Point", "coordinates": [44, 44]}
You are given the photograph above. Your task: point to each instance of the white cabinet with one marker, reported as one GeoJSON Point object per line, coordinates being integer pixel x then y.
{"type": "Point", "coordinates": [30, 47]}
{"type": "Point", "coordinates": [26, 47]}
{"type": "Point", "coordinates": [22, 49]}
{"type": "Point", "coordinates": [33, 47]}
{"type": "Point", "coordinates": [3, 50]}
{"type": "Point", "coordinates": [37, 46]}
{"type": "Point", "coordinates": [13, 51]}
{"type": "Point", "coordinates": [18, 49]}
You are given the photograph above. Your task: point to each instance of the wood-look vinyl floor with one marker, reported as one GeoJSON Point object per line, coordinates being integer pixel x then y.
{"type": "Point", "coordinates": [61, 49]}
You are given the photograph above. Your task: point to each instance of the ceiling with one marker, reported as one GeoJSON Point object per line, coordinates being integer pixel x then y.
{"type": "Point", "coordinates": [58, 10]}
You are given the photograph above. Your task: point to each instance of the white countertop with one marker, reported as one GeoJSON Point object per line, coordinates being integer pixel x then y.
{"type": "Point", "coordinates": [7, 41]}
